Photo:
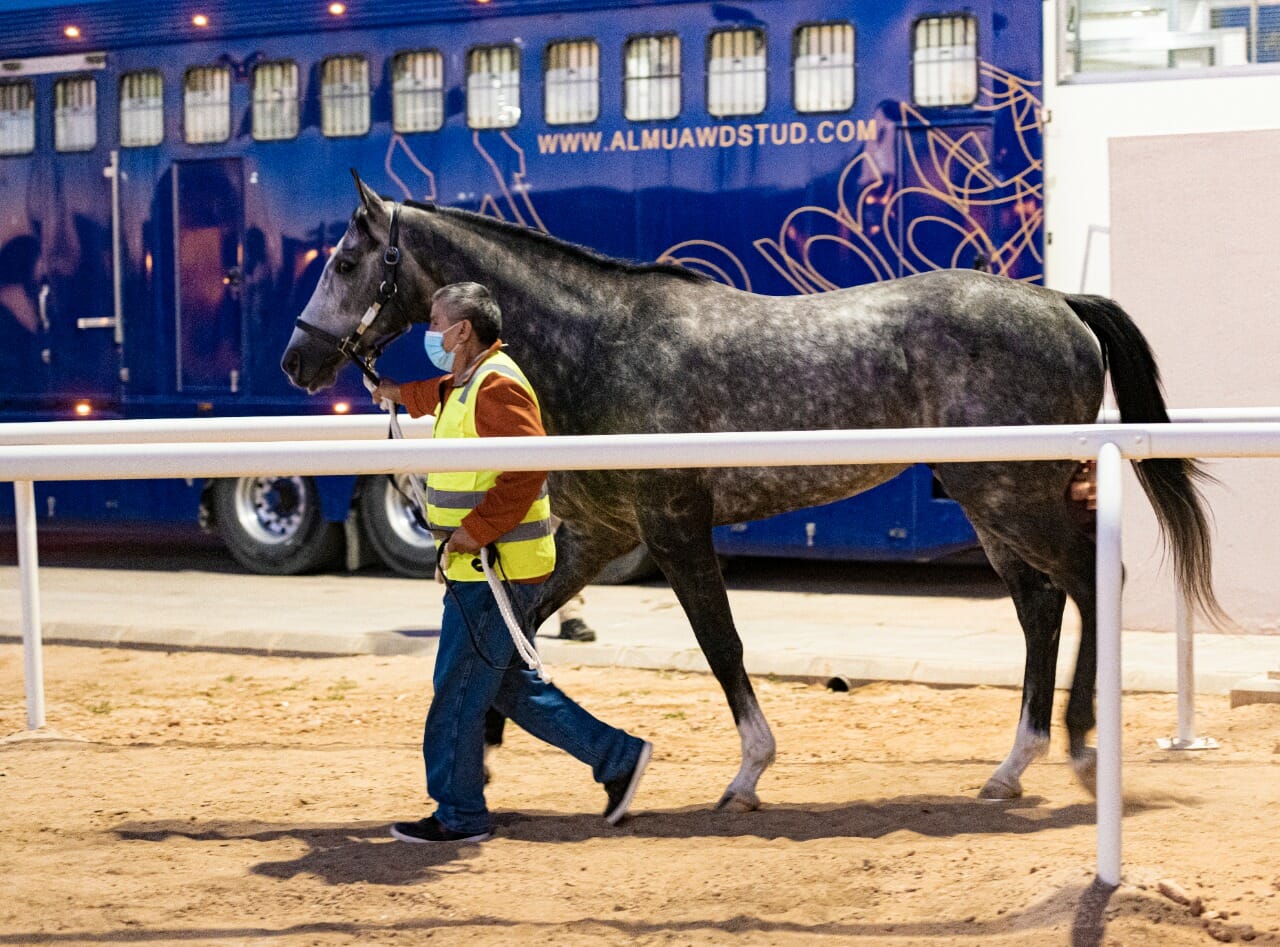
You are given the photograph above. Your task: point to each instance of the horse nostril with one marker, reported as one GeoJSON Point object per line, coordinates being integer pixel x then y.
{"type": "Point", "coordinates": [290, 363]}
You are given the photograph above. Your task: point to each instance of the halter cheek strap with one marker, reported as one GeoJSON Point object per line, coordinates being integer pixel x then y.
{"type": "Point", "coordinates": [350, 345]}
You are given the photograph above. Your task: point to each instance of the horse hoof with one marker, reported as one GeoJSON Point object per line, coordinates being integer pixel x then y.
{"type": "Point", "coordinates": [1000, 790]}
{"type": "Point", "coordinates": [738, 802]}
{"type": "Point", "coordinates": [1086, 769]}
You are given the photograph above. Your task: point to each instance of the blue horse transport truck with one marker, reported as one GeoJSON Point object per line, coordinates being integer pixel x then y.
{"type": "Point", "coordinates": [174, 176]}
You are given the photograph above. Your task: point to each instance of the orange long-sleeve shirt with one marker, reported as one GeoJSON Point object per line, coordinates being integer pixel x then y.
{"type": "Point", "coordinates": [503, 409]}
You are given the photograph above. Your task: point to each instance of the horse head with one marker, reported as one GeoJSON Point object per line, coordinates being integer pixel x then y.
{"type": "Point", "coordinates": [368, 295]}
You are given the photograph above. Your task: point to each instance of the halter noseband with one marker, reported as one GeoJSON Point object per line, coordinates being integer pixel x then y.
{"type": "Point", "coordinates": [350, 346]}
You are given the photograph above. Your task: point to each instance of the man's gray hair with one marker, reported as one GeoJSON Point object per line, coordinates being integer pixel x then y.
{"type": "Point", "coordinates": [472, 302]}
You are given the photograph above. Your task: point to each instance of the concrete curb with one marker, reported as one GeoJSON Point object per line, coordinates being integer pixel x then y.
{"type": "Point", "coordinates": [938, 670]}
{"type": "Point", "coordinates": [816, 633]}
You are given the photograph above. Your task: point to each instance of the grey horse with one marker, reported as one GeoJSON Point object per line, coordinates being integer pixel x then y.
{"type": "Point", "coordinates": [614, 347]}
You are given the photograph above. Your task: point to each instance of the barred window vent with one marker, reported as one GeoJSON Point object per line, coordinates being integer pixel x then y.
{"type": "Point", "coordinates": [75, 114]}
{"type": "Point", "coordinates": [417, 91]}
{"type": "Point", "coordinates": [206, 105]}
{"type": "Point", "coordinates": [493, 87]}
{"type": "Point", "coordinates": [824, 67]}
{"type": "Point", "coordinates": [572, 82]}
{"type": "Point", "coordinates": [944, 60]}
{"type": "Point", "coordinates": [652, 78]}
{"type": "Point", "coordinates": [736, 73]}
{"type": "Point", "coordinates": [17, 118]}
{"type": "Point", "coordinates": [275, 101]}
{"type": "Point", "coordinates": [141, 109]}
{"type": "Point", "coordinates": [344, 96]}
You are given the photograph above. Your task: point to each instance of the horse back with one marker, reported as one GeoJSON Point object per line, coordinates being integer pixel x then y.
{"type": "Point", "coordinates": [942, 349]}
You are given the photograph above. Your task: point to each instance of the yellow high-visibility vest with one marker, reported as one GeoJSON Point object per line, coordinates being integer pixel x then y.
{"type": "Point", "coordinates": [526, 551]}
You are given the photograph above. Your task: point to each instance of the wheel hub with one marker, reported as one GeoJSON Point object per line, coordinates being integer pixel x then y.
{"type": "Point", "coordinates": [271, 509]}
{"type": "Point", "coordinates": [400, 515]}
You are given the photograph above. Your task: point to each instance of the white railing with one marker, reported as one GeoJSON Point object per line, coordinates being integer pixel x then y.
{"type": "Point", "coordinates": [322, 427]}
{"type": "Point", "coordinates": [1108, 443]}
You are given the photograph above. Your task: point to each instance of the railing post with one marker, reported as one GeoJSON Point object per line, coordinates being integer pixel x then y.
{"type": "Point", "coordinates": [1186, 670]}
{"type": "Point", "coordinates": [1110, 802]}
{"type": "Point", "coordinates": [1186, 738]}
{"type": "Point", "coordinates": [24, 502]}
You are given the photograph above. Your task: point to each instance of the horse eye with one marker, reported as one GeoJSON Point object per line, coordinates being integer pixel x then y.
{"type": "Point", "coordinates": [345, 266]}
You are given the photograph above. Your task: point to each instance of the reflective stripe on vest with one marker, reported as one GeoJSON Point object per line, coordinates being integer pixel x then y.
{"type": "Point", "coordinates": [528, 549]}
{"type": "Point", "coordinates": [466, 499]}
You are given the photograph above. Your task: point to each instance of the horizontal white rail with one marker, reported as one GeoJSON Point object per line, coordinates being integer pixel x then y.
{"type": "Point", "coordinates": [62, 462]}
{"type": "Point", "coordinates": [329, 427]}
{"type": "Point", "coordinates": [332, 427]}
{"type": "Point", "coordinates": [1224, 414]}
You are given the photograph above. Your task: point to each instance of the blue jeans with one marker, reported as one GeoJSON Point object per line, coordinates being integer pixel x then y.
{"type": "Point", "coordinates": [466, 686]}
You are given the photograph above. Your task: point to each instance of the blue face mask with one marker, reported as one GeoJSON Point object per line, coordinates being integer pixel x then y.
{"type": "Point", "coordinates": [433, 345]}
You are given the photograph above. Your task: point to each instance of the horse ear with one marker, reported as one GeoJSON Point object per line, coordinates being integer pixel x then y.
{"type": "Point", "coordinates": [372, 202]}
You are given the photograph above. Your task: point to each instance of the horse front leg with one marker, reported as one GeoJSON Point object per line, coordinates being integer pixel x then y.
{"type": "Point", "coordinates": [678, 534]}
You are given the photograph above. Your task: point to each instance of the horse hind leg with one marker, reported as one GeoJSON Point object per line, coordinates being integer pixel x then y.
{"type": "Point", "coordinates": [1081, 585]}
{"type": "Point", "coordinates": [1039, 605]}
{"type": "Point", "coordinates": [678, 534]}
{"type": "Point", "coordinates": [1023, 509]}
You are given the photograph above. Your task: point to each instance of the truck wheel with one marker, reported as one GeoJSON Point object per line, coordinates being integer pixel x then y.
{"type": "Point", "coordinates": [387, 522]}
{"type": "Point", "coordinates": [274, 525]}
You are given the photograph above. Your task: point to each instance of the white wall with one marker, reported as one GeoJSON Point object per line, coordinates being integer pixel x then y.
{"type": "Point", "coordinates": [1195, 250]}
{"type": "Point", "coordinates": [1084, 116]}
{"type": "Point", "coordinates": [1215, 328]}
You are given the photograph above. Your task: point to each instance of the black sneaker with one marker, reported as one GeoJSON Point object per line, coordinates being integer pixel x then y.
{"type": "Point", "coordinates": [623, 789]}
{"type": "Point", "coordinates": [429, 830]}
{"type": "Point", "coordinates": [575, 629]}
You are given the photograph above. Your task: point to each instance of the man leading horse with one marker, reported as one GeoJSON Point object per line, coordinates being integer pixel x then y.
{"type": "Point", "coordinates": [486, 394]}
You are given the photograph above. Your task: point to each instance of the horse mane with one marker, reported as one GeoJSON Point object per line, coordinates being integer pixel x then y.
{"type": "Point", "coordinates": [517, 233]}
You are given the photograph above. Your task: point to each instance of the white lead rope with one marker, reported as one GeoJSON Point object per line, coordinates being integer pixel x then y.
{"type": "Point", "coordinates": [415, 482]}
{"type": "Point", "coordinates": [525, 648]}
{"type": "Point", "coordinates": [523, 645]}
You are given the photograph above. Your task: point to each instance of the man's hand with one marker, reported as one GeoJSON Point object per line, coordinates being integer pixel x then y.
{"type": "Point", "coordinates": [1084, 486]}
{"type": "Point", "coordinates": [461, 542]}
{"type": "Point", "coordinates": [387, 390]}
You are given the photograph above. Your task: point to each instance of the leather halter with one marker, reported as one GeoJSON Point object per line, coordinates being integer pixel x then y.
{"type": "Point", "coordinates": [352, 346]}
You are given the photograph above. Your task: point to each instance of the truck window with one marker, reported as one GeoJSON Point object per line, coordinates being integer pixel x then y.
{"type": "Point", "coordinates": [344, 96]}
{"type": "Point", "coordinates": [652, 78]}
{"type": "Point", "coordinates": [944, 60]}
{"type": "Point", "coordinates": [417, 91]}
{"type": "Point", "coordinates": [736, 73]}
{"type": "Point", "coordinates": [206, 105]}
{"type": "Point", "coordinates": [493, 87]}
{"type": "Point", "coordinates": [571, 82]}
{"type": "Point", "coordinates": [275, 100]}
{"type": "Point", "coordinates": [823, 67]}
{"type": "Point", "coordinates": [75, 114]}
{"type": "Point", "coordinates": [141, 109]}
{"type": "Point", "coordinates": [17, 118]}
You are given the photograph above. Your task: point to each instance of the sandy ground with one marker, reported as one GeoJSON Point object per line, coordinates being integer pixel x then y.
{"type": "Point", "coordinates": [236, 799]}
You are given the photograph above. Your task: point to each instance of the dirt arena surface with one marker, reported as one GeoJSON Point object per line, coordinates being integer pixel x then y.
{"type": "Point", "coordinates": [235, 799]}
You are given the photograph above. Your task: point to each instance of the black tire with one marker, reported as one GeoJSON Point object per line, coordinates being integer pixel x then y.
{"type": "Point", "coordinates": [274, 525]}
{"type": "Point", "coordinates": [634, 566]}
{"type": "Point", "coordinates": [388, 525]}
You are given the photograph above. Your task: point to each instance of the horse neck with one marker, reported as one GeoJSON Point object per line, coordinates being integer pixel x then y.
{"type": "Point", "coordinates": [554, 301]}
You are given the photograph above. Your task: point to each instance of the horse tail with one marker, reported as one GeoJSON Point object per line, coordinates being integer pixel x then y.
{"type": "Point", "coordinates": [1170, 483]}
